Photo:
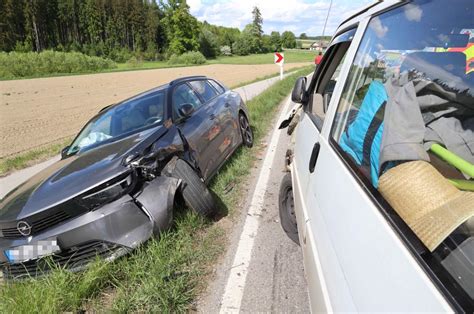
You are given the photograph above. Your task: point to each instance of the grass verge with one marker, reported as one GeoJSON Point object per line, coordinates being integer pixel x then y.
{"type": "Point", "coordinates": [266, 77]}
{"type": "Point", "coordinates": [163, 275]}
{"type": "Point", "coordinates": [31, 157]}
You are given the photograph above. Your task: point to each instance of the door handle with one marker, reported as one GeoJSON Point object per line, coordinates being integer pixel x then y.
{"type": "Point", "coordinates": [314, 157]}
{"type": "Point", "coordinates": [212, 116]}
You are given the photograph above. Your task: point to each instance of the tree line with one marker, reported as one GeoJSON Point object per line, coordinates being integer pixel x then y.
{"type": "Point", "coordinates": [120, 29]}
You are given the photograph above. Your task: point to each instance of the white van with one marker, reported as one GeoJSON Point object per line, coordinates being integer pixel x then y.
{"type": "Point", "coordinates": [381, 192]}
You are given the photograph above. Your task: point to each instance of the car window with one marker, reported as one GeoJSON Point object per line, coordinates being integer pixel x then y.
{"type": "Point", "coordinates": [183, 94]}
{"type": "Point", "coordinates": [204, 89]}
{"type": "Point", "coordinates": [127, 117]}
{"type": "Point", "coordinates": [406, 109]}
{"type": "Point", "coordinates": [218, 87]}
{"type": "Point", "coordinates": [320, 97]}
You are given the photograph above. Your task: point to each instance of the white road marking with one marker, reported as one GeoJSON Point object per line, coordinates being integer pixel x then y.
{"type": "Point", "coordinates": [234, 290]}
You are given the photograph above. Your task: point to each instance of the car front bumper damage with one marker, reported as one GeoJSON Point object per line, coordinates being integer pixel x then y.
{"type": "Point", "coordinates": [108, 232]}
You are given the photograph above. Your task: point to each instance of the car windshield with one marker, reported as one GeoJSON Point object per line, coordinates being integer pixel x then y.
{"type": "Point", "coordinates": [125, 118]}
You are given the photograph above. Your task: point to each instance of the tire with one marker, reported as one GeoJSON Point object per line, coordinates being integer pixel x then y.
{"type": "Point", "coordinates": [287, 209]}
{"type": "Point", "coordinates": [195, 193]}
{"type": "Point", "coordinates": [245, 130]}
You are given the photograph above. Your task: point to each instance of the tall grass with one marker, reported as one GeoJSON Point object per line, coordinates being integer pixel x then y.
{"type": "Point", "coordinates": [163, 275]}
{"type": "Point", "coordinates": [28, 64]}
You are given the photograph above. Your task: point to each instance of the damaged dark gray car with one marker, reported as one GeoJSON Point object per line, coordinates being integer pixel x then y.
{"type": "Point", "coordinates": [116, 184]}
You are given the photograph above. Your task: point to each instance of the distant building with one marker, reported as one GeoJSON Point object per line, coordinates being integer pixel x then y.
{"type": "Point", "coordinates": [319, 46]}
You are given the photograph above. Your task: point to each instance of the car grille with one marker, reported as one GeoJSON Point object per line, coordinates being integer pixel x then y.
{"type": "Point", "coordinates": [73, 259]}
{"type": "Point", "coordinates": [38, 225]}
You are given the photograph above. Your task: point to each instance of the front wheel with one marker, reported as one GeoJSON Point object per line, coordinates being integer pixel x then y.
{"type": "Point", "coordinates": [195, 193]}
{"type": "Point", "coordinates": [245, 130]}
{"type": "Point", "coordinates": [287, 209]}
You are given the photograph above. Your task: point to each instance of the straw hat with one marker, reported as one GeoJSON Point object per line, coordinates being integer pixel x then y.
{"type": "Point", "coordinates": [426, 201]}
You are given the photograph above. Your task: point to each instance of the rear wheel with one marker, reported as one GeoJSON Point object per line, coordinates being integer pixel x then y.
{"type": "Point", "coordinates": [245, 130]}
{"type": "Point", "coordinates": [195, 193]}
{"type": "Point", "coordinates": [287, 209]}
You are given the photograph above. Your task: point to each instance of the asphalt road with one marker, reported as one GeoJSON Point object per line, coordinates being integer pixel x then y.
{"type": "Point", "coordinates": [274, 275]}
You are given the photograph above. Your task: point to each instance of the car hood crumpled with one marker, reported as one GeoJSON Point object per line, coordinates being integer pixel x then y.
{"type": "Point", "coordinates": [72, 176]}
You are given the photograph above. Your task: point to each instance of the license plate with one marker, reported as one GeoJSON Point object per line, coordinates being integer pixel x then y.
{"type": "Point", "coordinates": [32, 251]}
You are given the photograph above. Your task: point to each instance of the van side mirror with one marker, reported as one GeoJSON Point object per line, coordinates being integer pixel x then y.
{"type": "Point", "coordinates": [186, 110]}
{"type": "Point", "coordinates": [298, 95]}
{"type": "Point", "coordinates": [64, 152]}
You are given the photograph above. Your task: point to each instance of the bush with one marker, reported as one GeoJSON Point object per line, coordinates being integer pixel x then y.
{"type": "Point", "coordinates": [120, 55]}
{"type": "Point", "coordinates": [226, 51]}
{"type": "Point", "coordinates": [188, 58]}
{"type": "Point", "coordinates": [134, 62]}
{"type": "Point", "coordinates": [19, 64]}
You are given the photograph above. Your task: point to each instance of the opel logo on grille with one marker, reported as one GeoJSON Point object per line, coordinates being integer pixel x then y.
{"type": "Point", "coordinates": [24, 228]}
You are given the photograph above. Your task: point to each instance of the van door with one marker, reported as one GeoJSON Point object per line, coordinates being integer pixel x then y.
{"type": "Point", "coordinates": [314, 239]}
{"type": "Point", "coordinates": [368, 262]}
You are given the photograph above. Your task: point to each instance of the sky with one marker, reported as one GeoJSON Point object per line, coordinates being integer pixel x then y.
{"type": "Point", "coordinates": [298, 16]}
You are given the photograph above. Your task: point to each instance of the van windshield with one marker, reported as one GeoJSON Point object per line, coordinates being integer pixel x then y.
{"type": "Point", "coordinates": [128, 117]}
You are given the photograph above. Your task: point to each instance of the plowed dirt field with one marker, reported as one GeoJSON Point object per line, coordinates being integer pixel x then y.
{"type": "Point", "coordinates": [38, 112]}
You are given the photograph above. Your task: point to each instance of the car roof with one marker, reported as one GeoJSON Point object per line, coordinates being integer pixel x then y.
{"type": "Point", "coordinates": [187, 78]}
{"type": "Point", "coordinates": [156, 89]}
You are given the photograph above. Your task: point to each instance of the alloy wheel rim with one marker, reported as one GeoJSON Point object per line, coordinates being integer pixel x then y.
{"type": "Point", "coordinates": [245, 128]}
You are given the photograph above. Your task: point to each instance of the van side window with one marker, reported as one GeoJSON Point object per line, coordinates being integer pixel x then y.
{"type": "Point", "coordinates": [328, 76]}
{"type": "Point", "coordinates": [406, 109]}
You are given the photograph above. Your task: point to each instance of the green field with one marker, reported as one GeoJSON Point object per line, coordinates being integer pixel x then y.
{"type": "Point", "coordinates": [163, 275]}
{"type": "Point", "coordinates": [291, 56]}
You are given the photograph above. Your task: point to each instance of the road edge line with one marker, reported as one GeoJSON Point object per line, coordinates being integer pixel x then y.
{"type": "Point", "coordinates": [234, 289]}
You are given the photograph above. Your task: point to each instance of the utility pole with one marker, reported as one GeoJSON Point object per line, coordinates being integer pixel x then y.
{"type": "Point", "coordinates": [326, 22]}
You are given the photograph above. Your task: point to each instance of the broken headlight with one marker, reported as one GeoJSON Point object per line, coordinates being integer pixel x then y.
{"type": "Point", "coordinates": [108, 192]}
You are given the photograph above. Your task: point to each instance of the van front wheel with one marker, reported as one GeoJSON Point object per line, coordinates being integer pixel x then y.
{"type": "Point", "coordinates": [287, 209]}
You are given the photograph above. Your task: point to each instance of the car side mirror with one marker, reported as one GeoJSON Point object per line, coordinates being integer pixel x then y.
{"type": "Point", "coordinates": [298, 95]}
{"type": "Point", "coordinates": [186, 110]}
{"type": "Point", "coordinates": [64, 152]}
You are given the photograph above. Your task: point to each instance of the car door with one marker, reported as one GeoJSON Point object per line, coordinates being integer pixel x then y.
{"type": "Point", "coordinates": [229, 103]}
{"type": "Point", "coordinates": [323, 272]}
{"type": "Point", "coordinates": [219, 111]}
{"type": "Point", "coordinates": [199, 129]}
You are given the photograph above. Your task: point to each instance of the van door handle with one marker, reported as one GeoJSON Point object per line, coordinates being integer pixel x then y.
{"type": "Point", "coordinates": [314, 157]}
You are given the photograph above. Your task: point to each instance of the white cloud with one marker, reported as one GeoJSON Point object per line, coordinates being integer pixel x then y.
{"type": "Point", "coordinates": [299, 16]}
{"type": "Point", "coordinates": [379, 29]}
{"type": "Point", "coordinates": [413, 12]}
